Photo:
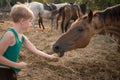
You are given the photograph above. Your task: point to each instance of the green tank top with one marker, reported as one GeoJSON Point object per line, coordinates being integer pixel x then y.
{"type": "Point", "coordinates": [12, 52]}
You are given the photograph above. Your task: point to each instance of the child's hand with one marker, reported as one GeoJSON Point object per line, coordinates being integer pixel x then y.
{"type": "Point", "coordinates": [21, 65]}
{"type": "Point", "coordinates": [53, 56]}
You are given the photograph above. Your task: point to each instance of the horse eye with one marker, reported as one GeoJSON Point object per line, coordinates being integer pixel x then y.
{"type": "Point", "coordinates": [81, 29]}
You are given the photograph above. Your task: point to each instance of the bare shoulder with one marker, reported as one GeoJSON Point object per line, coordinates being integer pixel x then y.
{"type": "Point", "coordinates": [6, 41]}
{"type": "Point", "coordinates": [8, 35]}
{"type": "Point", "coordinates": [8, 38]}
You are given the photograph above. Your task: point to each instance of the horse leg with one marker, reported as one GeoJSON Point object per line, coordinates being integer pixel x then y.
{"type": "Point", "coordinates": [33, 25]}
{"type": "Point", "coordinates": [62, 26]}
{"type": "Point", "coordinates": [51, 24]}
{"type": "Point", "coordinates": [58, 17]}
{"type": "Point", "coordinates": [34, 20]}
{"type": "Point", "coordinates": [57, 22]}
{"type": "Point", "coordinates": [63, 23]}
{"type": "Point", "coordinates": [66, 25]}
{"type": "Point", "coordinates": [40, 21]}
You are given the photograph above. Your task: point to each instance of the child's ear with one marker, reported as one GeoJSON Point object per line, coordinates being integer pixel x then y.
{"type": "Point", "coordinates": [21, 21]}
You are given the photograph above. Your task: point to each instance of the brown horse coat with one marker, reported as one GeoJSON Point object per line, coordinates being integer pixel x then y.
{"type": "Point", "coordinates": [71, 12]}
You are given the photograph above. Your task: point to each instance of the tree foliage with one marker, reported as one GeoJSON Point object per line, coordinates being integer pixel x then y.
{"type": "Point", "coordinates": [12, 2]}
{"type": "Point", "coordinates": [101, 4]}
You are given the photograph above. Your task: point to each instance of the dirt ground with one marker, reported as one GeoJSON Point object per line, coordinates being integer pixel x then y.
{"type": "Point", "coordinates": [98, 61]}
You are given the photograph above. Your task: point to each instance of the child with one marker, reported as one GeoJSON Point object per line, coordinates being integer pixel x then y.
{"type": "Point", "coordinates": [12, 40]}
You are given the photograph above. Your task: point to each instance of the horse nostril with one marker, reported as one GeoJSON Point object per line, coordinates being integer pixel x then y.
{"type": "Point", "coordinates": [57, 47]}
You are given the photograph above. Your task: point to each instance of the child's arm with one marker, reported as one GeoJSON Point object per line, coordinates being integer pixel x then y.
{"type": "Point", "coordinates": [33, 49]}
{"type": "Point", "coordinates": [6, 41]}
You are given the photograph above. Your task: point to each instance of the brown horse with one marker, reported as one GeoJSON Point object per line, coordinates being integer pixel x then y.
{"type": "Point", "coordinates": [82, 30]}
{"type": "Point", "coordinates": [70, 12]}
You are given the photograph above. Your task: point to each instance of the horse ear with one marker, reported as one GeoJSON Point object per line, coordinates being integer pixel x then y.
{"type": "Point", "coordinates": [90, 16]}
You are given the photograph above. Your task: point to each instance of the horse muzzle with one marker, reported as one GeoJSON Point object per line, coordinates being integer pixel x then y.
{"type": "Point", "coordinates": [58, 50]}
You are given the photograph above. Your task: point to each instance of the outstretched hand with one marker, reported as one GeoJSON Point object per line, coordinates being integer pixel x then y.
{"type": "Point", "coordinates": [53, 58]}
{"type": "Point", "coordinates": [21, 65]}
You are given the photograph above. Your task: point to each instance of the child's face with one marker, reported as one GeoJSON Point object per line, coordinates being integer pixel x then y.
{"type": "Point", "coordinates": [26, 24]}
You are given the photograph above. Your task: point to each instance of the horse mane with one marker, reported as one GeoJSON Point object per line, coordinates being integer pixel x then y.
{"type": "Point", "coordinates": [112, 13]}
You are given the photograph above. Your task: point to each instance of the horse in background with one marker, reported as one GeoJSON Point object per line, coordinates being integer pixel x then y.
{"type": "Point", "coordinates": [44, 11]}
{"type": "Point", "coordinates": [70, 12]}
{"type": "Point", "coordinates": [40, 10]}
{"type": "Point", "coordinates": [54, 13]}
{"type": "Point", "coordinates": [82, 30]}
{"type": "Point", "coordinates": [52, 9]}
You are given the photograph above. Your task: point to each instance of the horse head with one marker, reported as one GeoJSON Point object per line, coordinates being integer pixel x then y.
{"type": "Point", "coordinates": [77, 36]}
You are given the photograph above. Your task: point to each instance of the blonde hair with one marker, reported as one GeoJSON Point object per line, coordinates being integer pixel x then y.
{"type": "Point", "coordinates": [20, 11]}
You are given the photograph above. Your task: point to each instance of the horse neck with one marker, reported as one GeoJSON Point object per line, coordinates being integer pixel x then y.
{"type": "Point", "coordinates": [112, 27]}
{"type": "Point", "coordinates": [109, 25]}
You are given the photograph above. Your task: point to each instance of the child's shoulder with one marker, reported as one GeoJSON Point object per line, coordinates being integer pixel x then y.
{"type": "Point", "coordinates": [7, 38]}
{"type": "Point", "coordinates": [8, 34]}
